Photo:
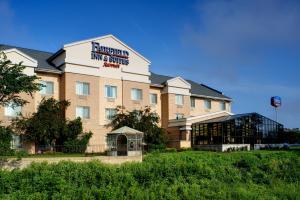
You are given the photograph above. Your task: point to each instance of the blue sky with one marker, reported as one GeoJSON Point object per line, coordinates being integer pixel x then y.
{"type": "Point", "coordinates": [250, 50]}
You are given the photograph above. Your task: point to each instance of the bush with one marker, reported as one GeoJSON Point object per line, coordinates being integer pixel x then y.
{"type": "Point", "coordinates": [184, 175]}
{"type": "Point", "coordinates": [21, 153]}
{"type": "Point", "coordinates": [5, 141]}
{"type": "Point", "coordinates": [77, 145]}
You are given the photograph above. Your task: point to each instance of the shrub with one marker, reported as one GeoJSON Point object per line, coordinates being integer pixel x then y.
{"type": "Point", "coordinates": [5, 141]}
{"type": "Point", "coordinates": [21, 153]}
{"type": "Point", "coordinates": [77, 145]}
{"type": "Point", "coordinates": [185, 175]}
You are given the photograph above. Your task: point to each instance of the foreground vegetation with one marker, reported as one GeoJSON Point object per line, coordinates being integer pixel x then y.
{"type": "Point", "coordinates": [184, 175]}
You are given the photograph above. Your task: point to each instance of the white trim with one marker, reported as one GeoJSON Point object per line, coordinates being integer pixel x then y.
{"type": "Point", "coordinates": [103, 37]}
{"type": "Point", "coordinates": [178, 77]}
{"type": "Point", "coordinates": [21, 53]}
{"type": "Point", "coordinates": [208, 115]}
{"type": "Point", "coordinates": [185, 120]}
{"type": "Point", "coordinates": [211, 97]}
{"type": "Point", "coordinates": [186, 128]}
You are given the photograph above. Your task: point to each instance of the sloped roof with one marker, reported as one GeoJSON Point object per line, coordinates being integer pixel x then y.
{"type": "Point", "coordinates": [196, 88]}
{"type": "Point", "coordinates": [125, 130]}
{"type": "Point", "coordinates": [40, 56]}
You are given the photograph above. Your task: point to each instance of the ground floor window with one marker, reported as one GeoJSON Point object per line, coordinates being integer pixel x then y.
{"type": "Point", "coordinates": [15, 142]}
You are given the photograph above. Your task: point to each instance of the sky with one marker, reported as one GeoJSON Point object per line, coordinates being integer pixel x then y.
{"type": "Point", "coordinates": [248, 49]}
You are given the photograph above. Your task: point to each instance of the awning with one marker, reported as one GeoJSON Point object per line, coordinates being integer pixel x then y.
{"type": "Point", "coordinates": [125, 130]}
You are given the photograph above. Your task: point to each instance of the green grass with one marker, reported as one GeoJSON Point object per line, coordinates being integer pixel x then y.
{"type": "Point", "coordinates": [294, 147]}
{"type": "Point", "coordinates": [183, 175]}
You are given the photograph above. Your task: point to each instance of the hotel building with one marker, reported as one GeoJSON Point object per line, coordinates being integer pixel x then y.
{"type": "Point", "coordinates": [97, 75]}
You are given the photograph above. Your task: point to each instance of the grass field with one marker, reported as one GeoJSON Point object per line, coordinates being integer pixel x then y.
{"type": "Point", "coordinates": [183, 175]}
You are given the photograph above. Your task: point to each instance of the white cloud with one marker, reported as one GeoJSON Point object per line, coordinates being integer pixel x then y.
{"type": "Point", "coordinates": [238, 30]}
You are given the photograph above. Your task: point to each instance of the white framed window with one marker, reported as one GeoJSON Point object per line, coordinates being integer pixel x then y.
{"type": "Point", "coordinates": [153, 99]}
{"type": "Point", "coordinates": [110, 113]}
{"type": "Point", "coordinates": [136, 94]}
{"type": "Point", "coordinates": [222, 105]}
{"type": "Point", "coordinates": [179, 99]}
{"type": "Point", "coordinates": [207, 104]}
{"type": "Point", "coordinates": [179, 116]}
{"type": "Point", "coordinates": [193, 102]}
{"type": "Point", "coordinates": [83, 112]}
{"type": "Point", "coordinates": [110, 91]}
{"type": "Point", "coordinates": [82, 88]}
{"type": "Point", "coordinates": [12, 110]}
{"type": "Point", "coordinates": [48, 88]}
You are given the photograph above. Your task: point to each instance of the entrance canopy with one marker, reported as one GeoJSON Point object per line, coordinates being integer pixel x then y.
{"type": "Point", "coordinates": [125, 141]}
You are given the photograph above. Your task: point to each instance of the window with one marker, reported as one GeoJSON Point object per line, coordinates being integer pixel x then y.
{"type": "Point", "coordinates": [179, 99]}
{"type": "Point", "coordinates": [82, 89]}
{"type": "Point", "coordinates": [48, 88]}
{"type": "Point", "coordinates": [193, 103]}
{"type": "Point", "coordinates": [179, 116]}
{"type": "Point", "coordinates": [12, 111]}
{"type": "Point", "coordinates": [207, 104]}
{"type": "Point", "coordinates": [110, 113]}
{"type": "Point", "coordinates": [110, 91]}
{"type": "Point", "coordinates": [15, 142]}
{"type": "Point", "coordinates": [83, 112]}
{"type": "Point", "coordinates": [136, 94]}
{"type": "Point", "coordinates": [222, 105]}
{"type": "Point", "coordinates": [153, 98]}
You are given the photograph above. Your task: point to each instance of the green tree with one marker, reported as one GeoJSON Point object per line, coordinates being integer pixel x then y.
{"type": "Point", "coordinates": [143, 120]}
{"type": "Point", "coordinates": [13, 82]}
{"type": "Point", "coordinates": [48, 126]}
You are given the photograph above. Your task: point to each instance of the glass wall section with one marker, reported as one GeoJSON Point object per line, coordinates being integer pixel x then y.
{"type": "Point", "coordinates": [249, 128]}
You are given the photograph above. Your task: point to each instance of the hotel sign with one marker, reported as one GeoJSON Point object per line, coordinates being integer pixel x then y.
{"type": "Point", "coordinates": [112, 57]}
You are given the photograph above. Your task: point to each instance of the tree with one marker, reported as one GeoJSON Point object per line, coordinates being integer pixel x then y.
{"type": "Point", "coordinates": [291, 136]}
{"type": "Point", "coordinates": [49, 127]}
{"type": "Point", "coordinates": [143, 120]}
{"type": "Point", "coordinates": [5, 139]}
{"type": "Point", "coordinates": [46, 125]}
{"type": "Point", "coordinates": [13, 82]}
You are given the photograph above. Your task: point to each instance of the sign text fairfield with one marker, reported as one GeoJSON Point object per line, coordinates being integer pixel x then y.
{"type": "Point", "coordinates": [112, 57]}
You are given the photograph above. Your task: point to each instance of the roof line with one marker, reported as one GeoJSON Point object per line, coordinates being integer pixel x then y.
{"type": "Point", "coordinates": [13, 46]}
{"type": "Point", "coordinates": [211, 97]}
{"type": "Point", "coordinates": [53, 56]}
{"type": "Point", "coordinates": [19, 51]}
